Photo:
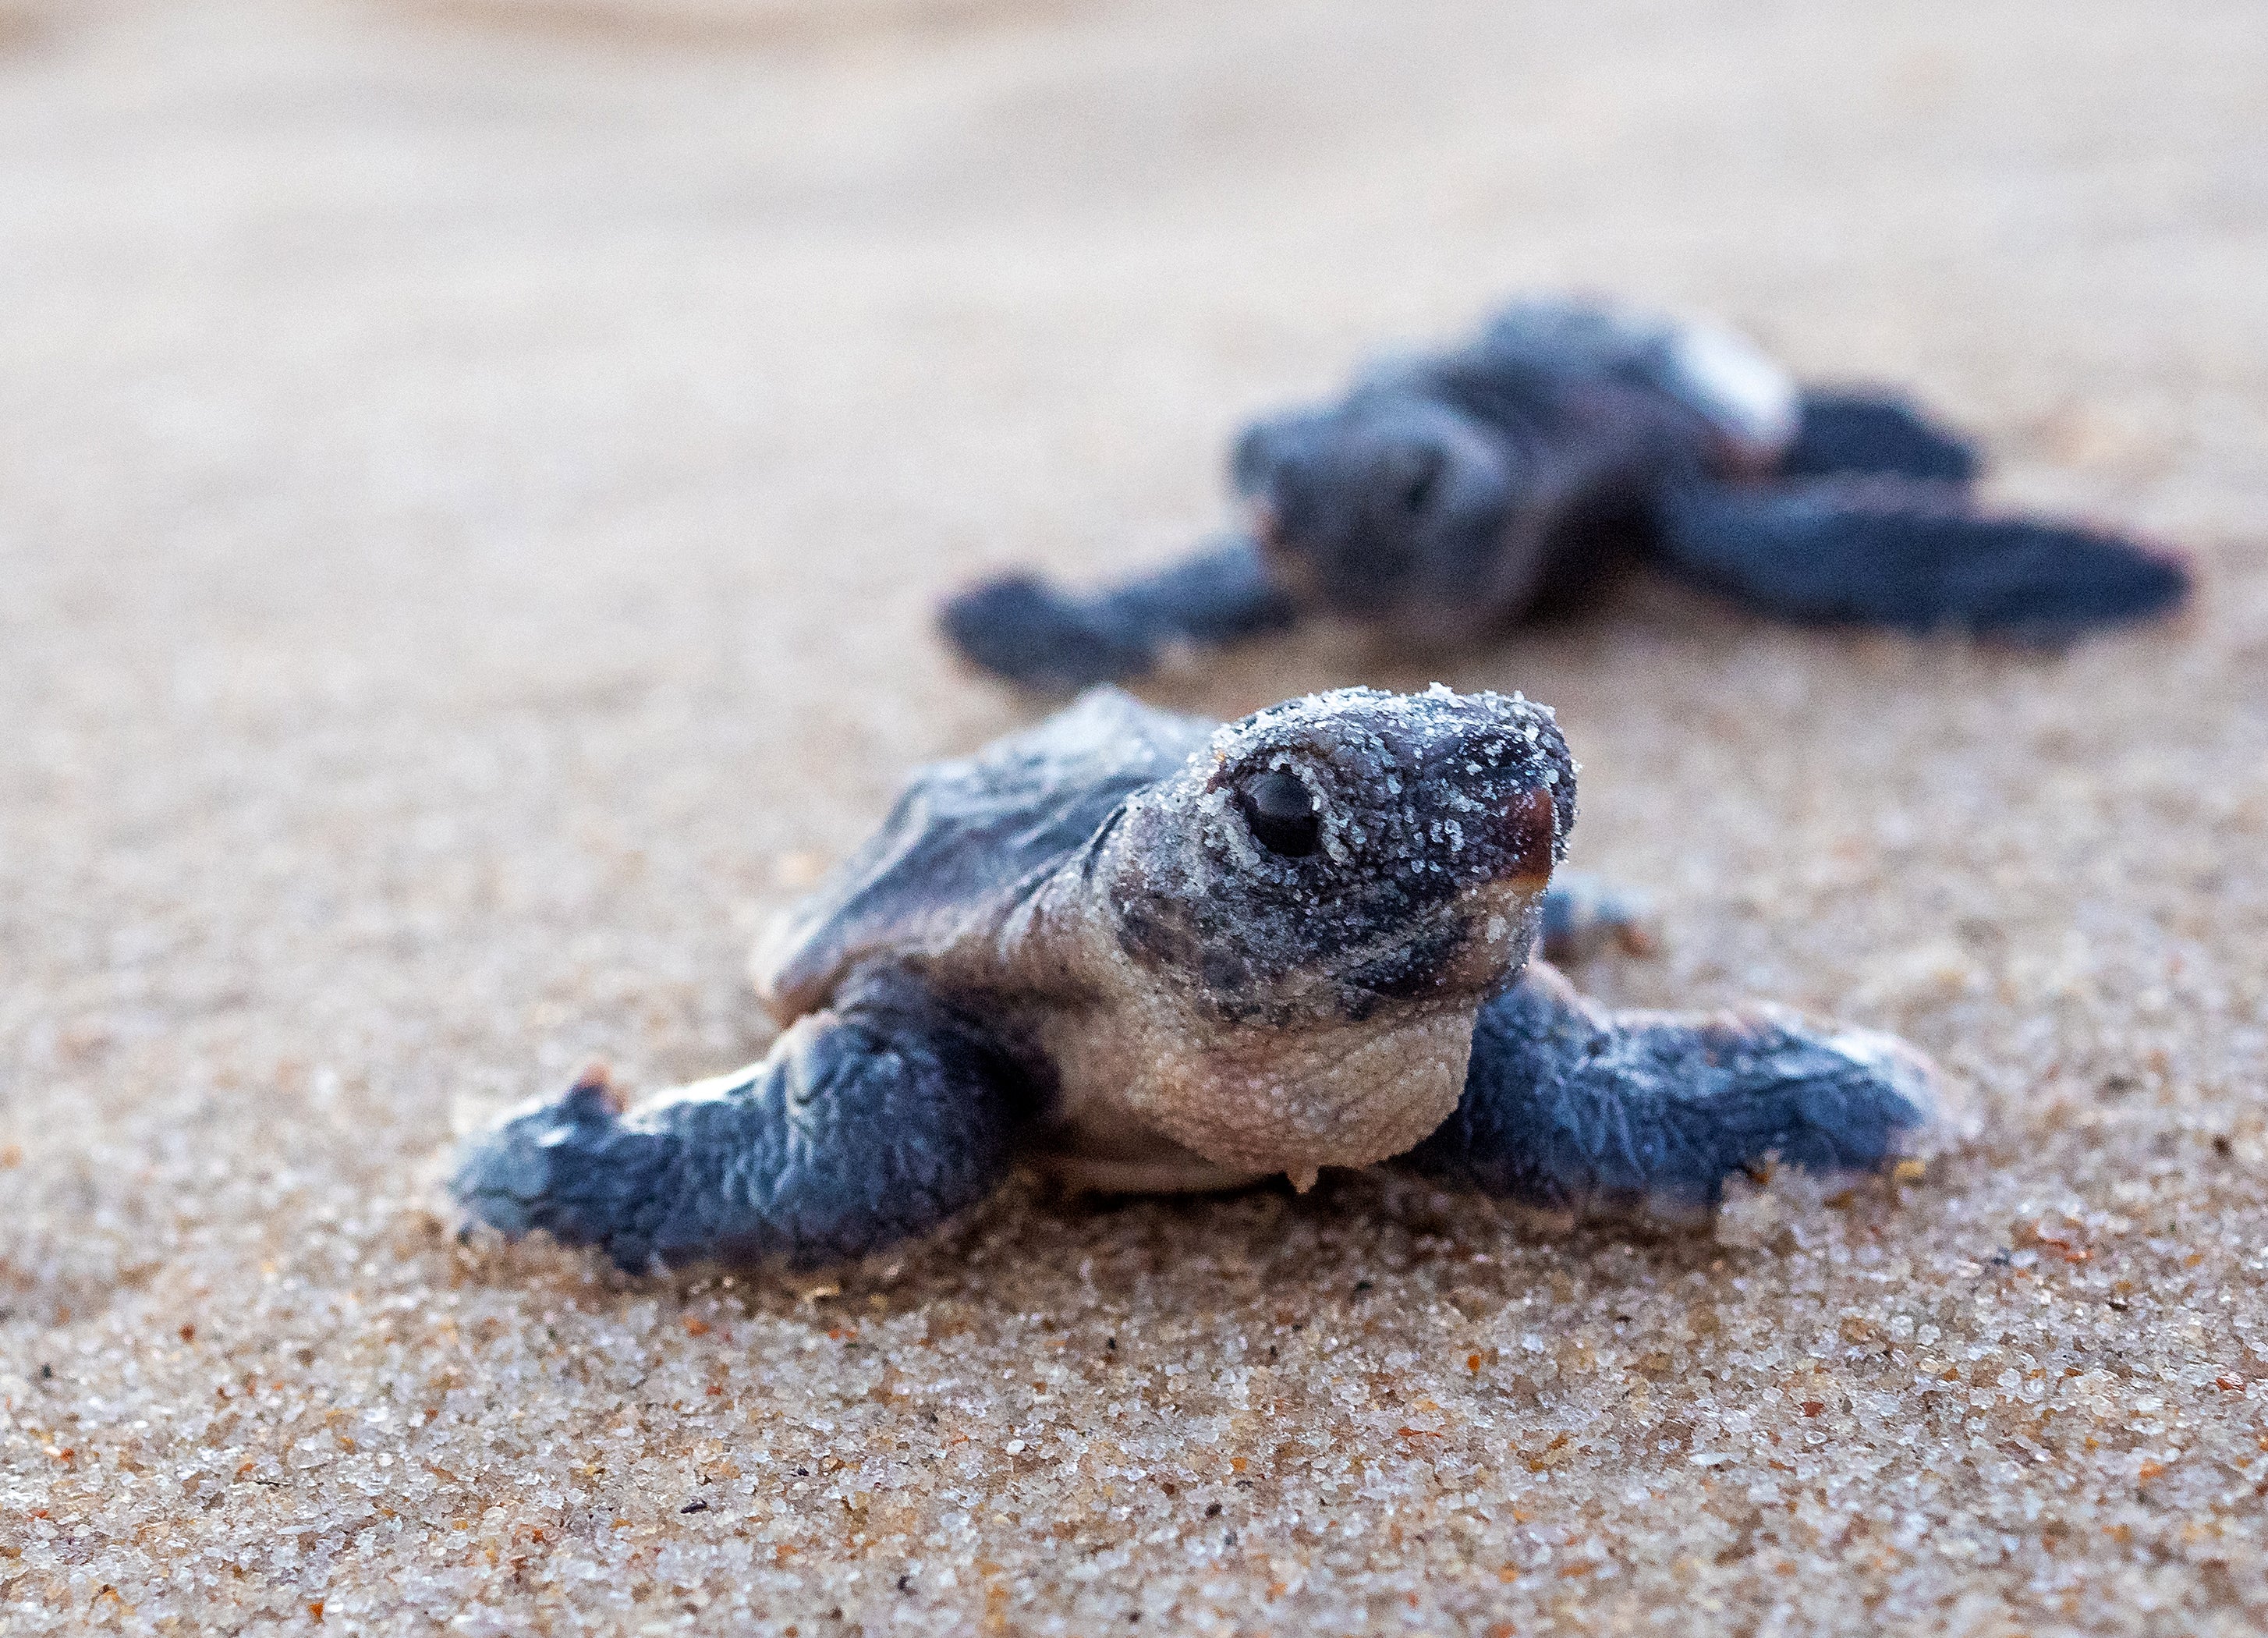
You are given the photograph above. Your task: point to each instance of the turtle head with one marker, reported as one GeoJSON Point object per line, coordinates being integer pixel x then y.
{"type": "Point", "coordinates": [1347, 853]}
{"type": "Point", "coordinates": [1389, 508]}
{"type": "Point", "coordinates": [1318, 904]}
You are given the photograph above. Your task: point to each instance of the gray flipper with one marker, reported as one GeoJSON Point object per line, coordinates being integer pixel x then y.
{"type": "Point", "coordinates": [1024, 629]}
{"type": "Point", "coordinates": [1851, 431]}
{"type": "Point", "coordinates": [1585, 917]}
{"type": "Point", "coordinates": [864, 1125]}
{"type": "Point", "coordinates": [1571, 1108]}
{"type": "Point", "coordinates": [1913, 556]}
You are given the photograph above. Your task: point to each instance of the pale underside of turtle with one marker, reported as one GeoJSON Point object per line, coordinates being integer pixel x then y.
{"type": "Point", "coordinates": [1445, 497]}
{"type": "Point", "coordinates": [1147, 953]}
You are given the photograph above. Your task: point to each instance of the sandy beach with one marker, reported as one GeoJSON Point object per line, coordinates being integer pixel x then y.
{"type": "Point", "coordinates": [475, 476]}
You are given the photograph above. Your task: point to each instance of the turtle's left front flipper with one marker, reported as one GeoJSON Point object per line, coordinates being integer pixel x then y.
{"type": "Point", "coordinates": [1914, 556]}
{"type": "Point", "coordinates": [1021, 629]}
{"type": "Point", "coordinates": [1570, 1107]}
{"type": "Point", "coordinates": [866, 1124]}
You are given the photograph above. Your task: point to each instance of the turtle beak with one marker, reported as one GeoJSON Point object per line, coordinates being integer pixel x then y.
{"type": "Point", "coordinates": [1530, 822]}
{"type": "Point", "coordinates": [1263, 522]}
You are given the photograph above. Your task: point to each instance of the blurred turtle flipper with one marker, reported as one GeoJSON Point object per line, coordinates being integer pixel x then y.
{"type": "Point", "coordinates": [1026, 631]}
{"type": "Point", "coordinates": [1912, 557]}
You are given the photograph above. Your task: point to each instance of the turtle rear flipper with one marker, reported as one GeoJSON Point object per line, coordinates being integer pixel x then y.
{"type": "Point", "coordinates": [1021, 629]}
{"type": "Point", "coordinates": [1855, 431]}
{"type": "Point", "coordinates": [1571, 1107]}
{"type": "Point", "coordinates": [1912, 557]}
{"type": "Point", "coordinates": [864, 1125]}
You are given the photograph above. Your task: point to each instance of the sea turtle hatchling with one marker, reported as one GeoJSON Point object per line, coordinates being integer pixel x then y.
{"type": "Point", "coordinates": [1151, 953]}
{"type": "Point", "coordinates": [1446, 496]}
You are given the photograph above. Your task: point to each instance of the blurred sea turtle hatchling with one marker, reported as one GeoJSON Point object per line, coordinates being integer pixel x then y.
{"type": "Point", "coordinates": [1448, 495]}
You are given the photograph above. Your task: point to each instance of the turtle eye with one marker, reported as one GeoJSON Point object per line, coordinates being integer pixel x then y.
{"type": "Point", "coordinates": [1418, 481]}
{"type": "Point", "coordinates": [1281, 814]}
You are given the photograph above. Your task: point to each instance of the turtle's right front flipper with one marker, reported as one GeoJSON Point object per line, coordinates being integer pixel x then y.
{"type": "Point", "coordinates": [866, 1124]}
{"type": "Point", "coordinates": [1572, 1108]}
{"type": "Point", "coordinates": [1026, 631]}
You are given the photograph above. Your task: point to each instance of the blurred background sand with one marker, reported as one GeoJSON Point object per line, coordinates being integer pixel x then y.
{"type": "Point", "coordinates": [473, 475]}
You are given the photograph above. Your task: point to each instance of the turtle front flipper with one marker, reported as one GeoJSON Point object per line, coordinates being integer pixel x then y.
{"type": "Point", "coordinates": [1912, 557]}
{"type": "Point", "coordinates": [1851, 431]}
{"type": "Point", "coordinates": [1021, 629]}
{"type": "Point", "coordinates": [866, 1124]}
{"type": "Point", "coordinates": [1571, 1108]}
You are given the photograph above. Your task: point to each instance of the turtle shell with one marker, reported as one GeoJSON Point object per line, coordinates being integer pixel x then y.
{"type": "Point", "coordinates": [1746, 398]}
{"type": "Point", "coordinates": [967, 840]}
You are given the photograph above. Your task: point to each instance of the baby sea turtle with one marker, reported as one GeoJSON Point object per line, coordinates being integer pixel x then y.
{"type": "Point", "coordinates": [1445, 497]}
{"type": "Point", "coordinates": [1150, 953]}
